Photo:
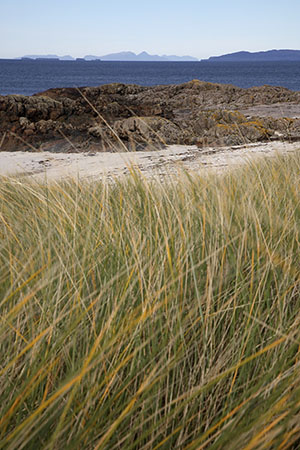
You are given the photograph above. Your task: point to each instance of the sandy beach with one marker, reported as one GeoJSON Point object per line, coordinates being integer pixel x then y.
{"type": "Point", "coordinates": [42, 166]}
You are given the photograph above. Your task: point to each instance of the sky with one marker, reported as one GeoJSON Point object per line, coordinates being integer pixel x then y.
{"type": "Point", "coordinates": [182, 27]}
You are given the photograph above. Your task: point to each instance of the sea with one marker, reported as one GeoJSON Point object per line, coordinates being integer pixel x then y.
{"type": "Point", "coordinates": [28, 77]}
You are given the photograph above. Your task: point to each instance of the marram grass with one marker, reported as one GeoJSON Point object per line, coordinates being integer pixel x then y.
{"type": "Point", "coordinates": [140, 315]}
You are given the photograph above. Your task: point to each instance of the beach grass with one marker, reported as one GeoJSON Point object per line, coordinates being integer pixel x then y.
{"type": "Point", "coordinates": [146, 315]}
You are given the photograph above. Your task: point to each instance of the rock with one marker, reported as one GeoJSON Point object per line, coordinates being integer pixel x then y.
{"type": "Point", "coordinates": [24, 122]}
{"type": "Point", "coordinates": [28, 132]}
{"type": "Point", "coordinates": [148, 130]}
{"type": "Point", "coordinates": [136, 116]}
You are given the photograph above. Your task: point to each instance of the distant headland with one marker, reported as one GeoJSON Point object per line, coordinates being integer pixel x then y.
{"type": "Point", "coordinates": [269, 55]}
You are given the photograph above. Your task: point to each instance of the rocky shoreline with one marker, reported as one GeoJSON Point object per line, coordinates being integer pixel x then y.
{"type": "Point", "coordinates": [123, 117]}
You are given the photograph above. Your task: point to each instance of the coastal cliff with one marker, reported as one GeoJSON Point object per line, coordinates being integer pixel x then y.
{"type": "Point", "coordinates": [116, 116]}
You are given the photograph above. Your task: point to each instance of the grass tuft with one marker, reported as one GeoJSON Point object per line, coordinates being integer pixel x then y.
{"type": "Point", "coordinates": [147, 315]}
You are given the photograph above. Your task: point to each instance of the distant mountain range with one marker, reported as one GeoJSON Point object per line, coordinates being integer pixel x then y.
{"type": "Point", "coordinates": [243, 56]}
{"type": "Point", "coordinates": [270, 55]}
{"type": "Point", "coordinates": [144, 56]}
{"type": "Point", "coordinates": [122, 56]}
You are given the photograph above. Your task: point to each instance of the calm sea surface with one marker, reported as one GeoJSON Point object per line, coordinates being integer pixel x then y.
{"type": "Point", "coordinates": [29, 77]}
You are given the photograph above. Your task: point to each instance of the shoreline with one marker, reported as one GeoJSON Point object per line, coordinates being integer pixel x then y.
{"type": "Point", "coordinates": [47, 166]}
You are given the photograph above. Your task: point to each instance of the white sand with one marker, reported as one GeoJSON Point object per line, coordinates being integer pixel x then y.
{"type": "Point", "coordinates": [49, 166]}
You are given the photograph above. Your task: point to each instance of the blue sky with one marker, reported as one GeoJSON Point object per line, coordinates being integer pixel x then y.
{"type": "Point", "coordinates": [183, 27]}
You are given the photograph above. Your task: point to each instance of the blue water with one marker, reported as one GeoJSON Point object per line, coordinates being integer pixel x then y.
{"type": "Point", "coordinates": [29, 77]}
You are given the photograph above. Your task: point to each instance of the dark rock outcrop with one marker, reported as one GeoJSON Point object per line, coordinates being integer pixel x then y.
{"type": "Point", "coordinates": [117, 115]}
